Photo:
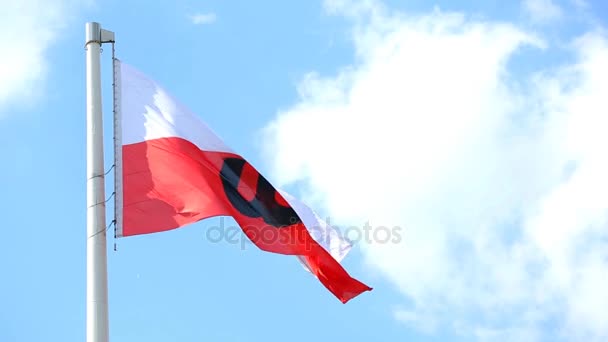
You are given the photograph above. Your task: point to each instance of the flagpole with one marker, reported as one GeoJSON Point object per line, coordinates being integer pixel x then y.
{"type": "Point", "coordinates": [97, 269]}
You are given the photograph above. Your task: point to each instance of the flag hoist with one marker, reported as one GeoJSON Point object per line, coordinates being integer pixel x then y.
{"type": "Point", "coordinates": [172, 170]}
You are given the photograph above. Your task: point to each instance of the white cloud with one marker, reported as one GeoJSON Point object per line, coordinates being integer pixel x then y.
{"type": "Point", "coordinates": [27, 29]}
{"type": "Point", "coordinates": [498, 179]}
{"type": "Point", "coordinates": [203, 18]}
{"type": "Point", "coordinates": [542, 10]}
{"type": "Point", "coordinates": [421, 321]}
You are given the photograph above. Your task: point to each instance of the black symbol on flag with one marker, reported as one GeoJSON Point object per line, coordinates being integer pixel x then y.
{"type": "Point", "coordinates": [264, 204]}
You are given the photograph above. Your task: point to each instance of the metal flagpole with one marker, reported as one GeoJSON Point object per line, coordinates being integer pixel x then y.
{"type": "Point", "coordinates": [97, 269]}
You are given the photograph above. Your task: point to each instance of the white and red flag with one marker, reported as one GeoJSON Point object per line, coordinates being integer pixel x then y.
{"type": "Point", "coordinates": [176, 171]}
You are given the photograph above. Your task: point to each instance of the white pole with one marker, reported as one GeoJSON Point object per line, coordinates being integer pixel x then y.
{"type": "Point", "coordinates": [97, 269]}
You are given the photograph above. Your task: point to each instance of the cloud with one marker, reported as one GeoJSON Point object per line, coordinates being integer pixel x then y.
{"type": "Point", "coordinates": [27, 29]}
{"type": "Point", "coordinates": [497, 177]}
{"type": "Point", "coordinates": [543, 10]}
{"type": "Point", "coordinates": [203, 18]}
{"type": "Point", "coordinates": [580, 4]}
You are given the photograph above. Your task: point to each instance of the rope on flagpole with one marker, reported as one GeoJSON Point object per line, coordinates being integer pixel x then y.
{"type": "Point", "coordinates": [106, 173]}
{"type": "Point", "coordinates": [105, 230]}
{"type": "Point", "coordinates": [116, 142]}
{"type": "Point", "coordinates": [106, 201]}
{"type": "Point", "coordinates": [111, 168]}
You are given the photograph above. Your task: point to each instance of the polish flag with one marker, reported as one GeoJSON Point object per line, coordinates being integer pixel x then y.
{"type": "Point", "coordinates": [176, 171]}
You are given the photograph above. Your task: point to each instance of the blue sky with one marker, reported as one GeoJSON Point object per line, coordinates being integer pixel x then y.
{"type": "Point", "coordinates": [472, 125]}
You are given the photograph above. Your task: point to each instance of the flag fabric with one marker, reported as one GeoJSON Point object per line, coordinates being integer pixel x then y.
{"type": "Point", "coordinates": [175, 171]}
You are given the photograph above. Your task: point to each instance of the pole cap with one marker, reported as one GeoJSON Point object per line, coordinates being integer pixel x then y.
{"type": "Point", "coordinates": [93, 33]}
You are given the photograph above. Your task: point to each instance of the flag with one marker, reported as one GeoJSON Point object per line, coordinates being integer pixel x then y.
{"type": "Point", "coordinates": [176, 170]}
